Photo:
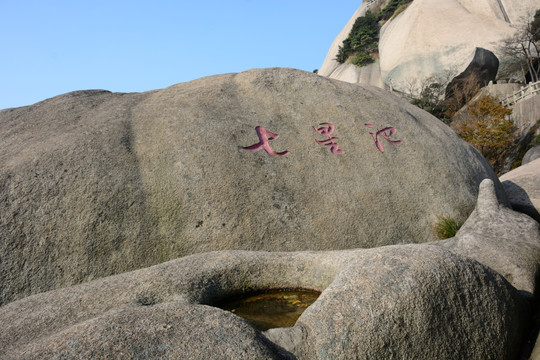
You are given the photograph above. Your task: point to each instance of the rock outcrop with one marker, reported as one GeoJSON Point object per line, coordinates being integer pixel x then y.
{"type": "Point", "coordinates": [433, 39]}
{"type": "Point", "coordinates": [402, 301]}
{"type": "Point", "coordinates": [403, 296]}
{"type": "Point", "coordinates": [96, 183]}
{"type": "Point", "coordinates": [346, 72]}
{"type": "Point", "coordinates": [523, 188]}
{"type": "Point", "coordinates": [531, 155]}
{"type": "Point", "coordinates": [504, 240]}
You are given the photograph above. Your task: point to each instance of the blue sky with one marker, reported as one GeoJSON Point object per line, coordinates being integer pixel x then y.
{"type": "Point", "coordinates": [53, 47]}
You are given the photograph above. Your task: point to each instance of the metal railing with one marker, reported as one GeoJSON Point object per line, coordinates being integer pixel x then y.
{"type": "Point", "coordinates": [369, 2]}
{"type": "Point", "coordinates": [522, 94]}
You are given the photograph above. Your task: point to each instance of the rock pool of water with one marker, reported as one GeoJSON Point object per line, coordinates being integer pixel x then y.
{"type": "Point", "coordinates": [270, 309]}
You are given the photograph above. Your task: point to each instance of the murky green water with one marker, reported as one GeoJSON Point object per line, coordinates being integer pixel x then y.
{"type": "Point", "coordinates": [267, 310]}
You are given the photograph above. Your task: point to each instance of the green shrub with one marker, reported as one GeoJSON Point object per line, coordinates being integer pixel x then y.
{"type": "Point", "coordinates": [401, 8]}
{"type": "Point", "coordinates": [363, 39]}
{"type": "Point", "coordinates": [446, 227]}
{"type": "Point", "coordinates": [362, 59]}
{"type": "Point", "coordinates": [392, 8]}
{"type": "Point", "coordinates": [431, 100]}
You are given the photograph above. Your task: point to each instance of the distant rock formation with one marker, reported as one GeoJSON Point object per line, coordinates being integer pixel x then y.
{"type": "Point", "coordinates": [96, 183]}
{"type": "Point", "coordinates": [431, 39]}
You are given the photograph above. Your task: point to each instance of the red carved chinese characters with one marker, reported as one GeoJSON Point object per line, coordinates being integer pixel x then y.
{"type": "Point", "coordinates": [386, 133]}
{"type": "Point", "coordinates": [264, 136]}
{"type": "Point", "coordinates": [327, 129]}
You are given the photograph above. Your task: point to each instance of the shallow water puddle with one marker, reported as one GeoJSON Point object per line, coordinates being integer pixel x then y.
{"type": "Point", "coordinates": [270, 309]}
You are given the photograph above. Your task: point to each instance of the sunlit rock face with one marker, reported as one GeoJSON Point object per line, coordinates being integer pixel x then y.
{"type": "Point", "coordinates": [523, 188]}
{"type": "Point", "coordinates": [96, 183]}
{"type": "Point", "coordinates": [433, 40]}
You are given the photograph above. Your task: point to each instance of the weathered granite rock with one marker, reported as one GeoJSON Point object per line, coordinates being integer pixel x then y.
{"type": "Point", "coordinates": [503, 239]}
{"type": "Point", "coordinates": [401, 297]}
{"type": "Point", "coordinates": [419, 44]}
{"type": "Point", "coordinates": [523, 188]}
{"type": "Point", "coordinates": [96, 183]}
{"type": "Point", "coordinates": [531, 155]}
{"type": "Point", "coordinates": [403, 301]}
{"type": "Point", "coordinates": [333, 69]}
{"type": "Point", "coordinates": [367, 75]}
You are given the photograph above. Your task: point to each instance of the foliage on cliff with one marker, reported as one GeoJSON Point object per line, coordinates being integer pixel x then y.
{"type": "Point", "coordinates": [362, 43]}
{"type": "Point", "coordinates": [392, 8]}
{"type": "Point", "coordinates": [363, 39]}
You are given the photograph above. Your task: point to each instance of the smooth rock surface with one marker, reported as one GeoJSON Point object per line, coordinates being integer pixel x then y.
{"type": "Point", "coordinates": [330, 64]}
{"type": "Point", "coordinates": [402, 305]}
{"type": "Point", "coordinates": [523, 188]}
{"type": "Point", "coordinates": [502, 239]}
{"type": "Point", "coordinates": [531, 155]}
{"type": "Point", "coordinates": [419, 44]}
{"type": "Point", "coordinates": [96, 183]}
{"type": "Point", "coordinates": [402, 301]}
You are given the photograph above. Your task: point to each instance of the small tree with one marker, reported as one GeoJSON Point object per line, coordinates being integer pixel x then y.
{"type": "Point", "coordinates": [431, 100]}
{"type": "Point", "coordinates": [363, 39]}
{"type": "Point", "coordinates": [392, 7]}
{"type": "Point", "coordinates": [484, 126]}
{"type": "Point", "coordinates": [429, 93]}
{"type": "Point", "coordinates": [524, 47]}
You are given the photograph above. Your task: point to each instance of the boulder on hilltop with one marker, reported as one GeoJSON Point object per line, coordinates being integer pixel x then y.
{"type": "Point", "coordinates": [95, 183]}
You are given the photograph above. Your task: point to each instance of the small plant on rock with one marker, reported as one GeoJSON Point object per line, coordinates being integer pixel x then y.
{"type": "Point", "coordinates": [393, 7]}
{"type": "Point", "coordinates": [401, 8]}
{"type": "Point", "coordinates": [362, 59]}
{"type": "Point", "coordinates": [446, 227]}
{"type": "Point", "coordinates": [430, 100]}
{"type": "Point", "coordinates": [362, 44]}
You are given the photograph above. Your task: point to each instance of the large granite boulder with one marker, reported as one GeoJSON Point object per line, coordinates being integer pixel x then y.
{"type": "Point", "coordinates": [419, 45]}
{"type": "Point", "coordinates": [505, 240]}
{"type": "Point", "coordinates": [96, 183]}
{"type": "Point", "coordinates": [402, 301]}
